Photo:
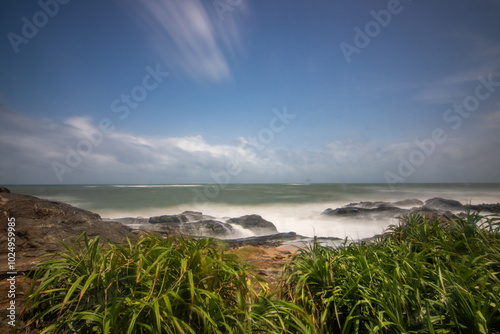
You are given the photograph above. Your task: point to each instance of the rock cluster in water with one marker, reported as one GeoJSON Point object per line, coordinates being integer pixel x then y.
{"type": "Point", "coordinates": [432, 208]}
{"type": "Point", "coordinates": [41, 225]}
{"type": "Point", "coordinates": [196, 224]}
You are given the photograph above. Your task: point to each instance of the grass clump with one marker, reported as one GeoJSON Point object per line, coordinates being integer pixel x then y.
{"type": "Point", "coordinates": [154, 286]}
{"type": "Point", "coordinates": [423, 277]}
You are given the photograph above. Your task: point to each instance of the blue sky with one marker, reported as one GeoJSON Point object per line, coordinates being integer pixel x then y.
{"type": "Point", "coordinates": [188, 91]}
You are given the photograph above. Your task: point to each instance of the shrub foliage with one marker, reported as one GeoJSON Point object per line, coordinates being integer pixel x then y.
{"type": "Point", "coordinates": [423, 276]}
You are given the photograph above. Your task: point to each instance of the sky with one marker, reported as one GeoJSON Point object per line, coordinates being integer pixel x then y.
{"type": "Point", "coordinates": [247, 91]}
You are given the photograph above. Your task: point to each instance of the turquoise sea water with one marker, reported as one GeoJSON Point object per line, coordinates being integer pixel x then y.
{"type": "Point", "coordinates": [291, 207]}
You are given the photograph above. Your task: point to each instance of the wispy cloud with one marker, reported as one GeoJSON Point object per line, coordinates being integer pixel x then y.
{"type": "Point", "coordinates": [190, 36]}
{"type": "Point", "coordinates": [481, 57]}
{"type": "Point", "coordinates": [491, 120]}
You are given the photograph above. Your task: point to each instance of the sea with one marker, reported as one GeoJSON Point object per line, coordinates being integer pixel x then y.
{"type": "Point", "coordinates": [290, 207]}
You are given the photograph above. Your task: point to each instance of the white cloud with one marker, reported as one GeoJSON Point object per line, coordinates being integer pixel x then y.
{"type": "Point", "coordinates": [30, 145]}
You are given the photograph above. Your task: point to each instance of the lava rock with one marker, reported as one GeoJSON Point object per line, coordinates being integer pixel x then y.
{"type": "Point", "coordinates": [167, 219]}
{"type": "Point", "coordinates": [4, 190]}
{"type": "Point", "coordinates": [408, 202]}
{"type": "Point", "coordinates": [41, 225]}
{"type": "Point", "coordinates": [438, 203]}
{"type": "Point", "coordinates": [255, 223]}
{"type": "Point", "coordinates": [349, 211]}
{"type": "Point", "coordinates": [493, 208]}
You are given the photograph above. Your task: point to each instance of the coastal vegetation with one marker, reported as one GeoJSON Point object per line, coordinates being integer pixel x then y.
{"type": "Point", "coordinates": [422, 276]}
{"type": "Point", "coordinates": [425, 276]}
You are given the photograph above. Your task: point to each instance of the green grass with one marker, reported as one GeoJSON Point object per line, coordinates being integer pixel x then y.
{"type": "Point", "coordinates": [422, 277]}
{"type": "Point", "coordinates": [153, 286]}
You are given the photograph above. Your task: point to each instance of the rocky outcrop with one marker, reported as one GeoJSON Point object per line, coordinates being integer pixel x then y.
{"type": "Point", "coordinates": [408, 202]}
{"type": "Point", "coordinates": [202, 228]}
{"type": "Point", "coordinates": [255, 223]}
{"type": "Point", "coordinates": [266, 240]}
{"type": "Point", "coordinates": [434, 208]}
{"type": "Point", "coordinates": [367, 205]}
{"type": "Point", "coordinates": [4, 190]}
{"type": "Point", "coordinates": [184, 217]}
{"type": "Point", "coordinates": [207, 228]}
{"type": "Point", "coordinates": [41, 225]}
{"type": "Point", "coordinates": [444, 204]}
{"type": "Point", "coordinates": [492, 208]}
{"type": "Point", "coordinates": [346, 211]}
{"type": "Point", "coordinates": [196, 224]}
{"type": "Point", "coordinates": [168, 219]}
{"type": "Point", "coordinates": [366, 208]}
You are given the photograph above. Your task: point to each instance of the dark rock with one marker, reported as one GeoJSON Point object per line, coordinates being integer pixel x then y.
{"type": "Point", "coordinates": [192, 215]}
{"type": "Point", "coordinates": [166, 219]}
{"type": "Point", "coordinates": [382, 209]}
{"type": "Point", "coordinates": [408, 202]}
{"type": "Point", "coordinates": [179, 225]}
{"type": "Point", "coordinates": [186, 216]}
{"type": "Point", "coordinates": [193, 223]}
{"type": "Point", "coordinates": [206, 228]}
{"type": "Point", "coordinates": [444, 204]}
{"type": "Point", "coordinates": [433, 209]}
{"type": "Point", "coordinates": [4, 190]}
{"type": "Point", "coordinates": [367, 205]}
{"type": "Point", "coordinates": [386, 207]}
{"type": "Point", "coordinates": [267, 240]}
{"type": "Point", "coordinates": [349, 211]}
{"type": "Point", "coordinates": [427, 212]}
{"type": "Point", "coordinates": [255, 223]}
{"type": "Point", "coordinates": [40, 225]}
{"type": "Point", "coordinates": [493, 208]}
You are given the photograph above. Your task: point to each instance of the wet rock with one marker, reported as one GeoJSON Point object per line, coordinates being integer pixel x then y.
{"type": "Point", "coordinates": [382, 209]}
{"type": "Point", "coordinates": [367, 205]}
{"type": "Point", "coordinates": [167, 219]}
{"type": "Point", "coordinates": [408, 202]}
{"type": "Point", "coordinates": [434, 208]}
{"type": "Point", "coordinates": [41, 225]}
{"type": "Point", "coordinates": [193, 215]}
{"type": "Point", "coordinates": [185, 224]}
{"type": "Point", "coordinates": [427, 212]}
{"type": "Point", "coordinates": [438, 203]}
{"type": "Point", "coordinates": [206, 228]}
{"type": "Point", "coordinates": [267, 240]}
{"type": "Point", "coordinates": [255, 223]}
{"type": "Point", "coordinates": [4, 190]}
{"type": "Point", "coordinates": [349, 211]}
{"type": "Point", "coordinates": [186, 216]}
{"type": "Point", "coordinates": [493, 208]}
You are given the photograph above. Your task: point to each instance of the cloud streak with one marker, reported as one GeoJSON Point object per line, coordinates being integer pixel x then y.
{"type": "Point", "coordinates": [482, 58]}
{"type": "Point", "coordinates": [189, 36]}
